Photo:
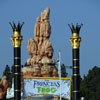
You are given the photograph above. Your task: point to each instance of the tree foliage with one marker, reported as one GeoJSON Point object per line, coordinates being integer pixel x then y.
{"type": "Point", "coordinates": [6, 71]}
{"type": "Point", "coordinates": [63, 71]}
{"type": "Point", "coordinates": [90, 85]}
{"type": "Point", "coordinates": [9, 74]}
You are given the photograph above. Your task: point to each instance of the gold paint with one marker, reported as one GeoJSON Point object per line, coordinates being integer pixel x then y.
{"type": "Point", "coordinates": [75, 66]}
{"type": "Point", "coordinates": [70, 89]}
{"type": "Point", "coordinates": [16, 65]}
{"type": "Point", "coordinates": [17, 90]}
{"type": "Point", "coordinates": [16, 57]}
{"type": "Point", "coordinates": [76, 75]}
{"type": "Point", "coordinates": [76, 91]}
{"type": "Point", "coordinates": [75, 59]}
{"type": "Point", "coordinates": [48, 78]}
{"type": "Point", "coordinates": [75, 41]}
{"type": "Point", "coordinates": [47, 95]}
{"type": "Point", "coordinates": [16, 73]}
{"type": "Point", "coordinates": [16, 39]}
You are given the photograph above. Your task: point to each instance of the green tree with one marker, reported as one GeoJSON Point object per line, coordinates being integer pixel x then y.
{"type": "Point", "coordinates": [12, 71]}
{"type": "Point", "coordinates": [7, 72]}
{"type": "Point", "coordinates": [90, 85]}
{"type": "Point", "coordinates": [63, 71]}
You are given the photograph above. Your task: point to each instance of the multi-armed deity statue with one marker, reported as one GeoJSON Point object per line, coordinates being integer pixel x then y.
{"type": "Point", "coordinates": [40, 50]}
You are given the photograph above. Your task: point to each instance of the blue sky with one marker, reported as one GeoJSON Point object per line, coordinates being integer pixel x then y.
{"type": "Point", "coordinates": [62, 13]}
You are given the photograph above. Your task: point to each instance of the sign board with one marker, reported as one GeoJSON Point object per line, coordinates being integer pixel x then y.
{"type": "Point", "coordinates": [35, 86]}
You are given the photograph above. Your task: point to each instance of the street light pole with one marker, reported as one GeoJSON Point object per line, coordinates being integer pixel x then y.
{"type": "Point", "coordinates": [75, 41]}
{"type": "Point", "coordinates": [16, 39]}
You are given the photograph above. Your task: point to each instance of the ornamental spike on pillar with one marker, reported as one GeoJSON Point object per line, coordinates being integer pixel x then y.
{"type": "Point", "coordinates": [75, 41]}
{"type": "Point", "coordinates": [16, 39]}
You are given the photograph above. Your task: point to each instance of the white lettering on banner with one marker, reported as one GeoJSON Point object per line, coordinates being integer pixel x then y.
{"type": "Point", "coordinates": [42, 86]}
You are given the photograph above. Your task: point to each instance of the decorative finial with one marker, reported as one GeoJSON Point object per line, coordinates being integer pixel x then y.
{"type": "Point", "coordinates": [75, 29]}
{"type": "Point", "coordinates": [75, 39]}
{"type": "Point", "coordinates": [16, 38]}
{"type": "Point", "coordinates": [16, 28]}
